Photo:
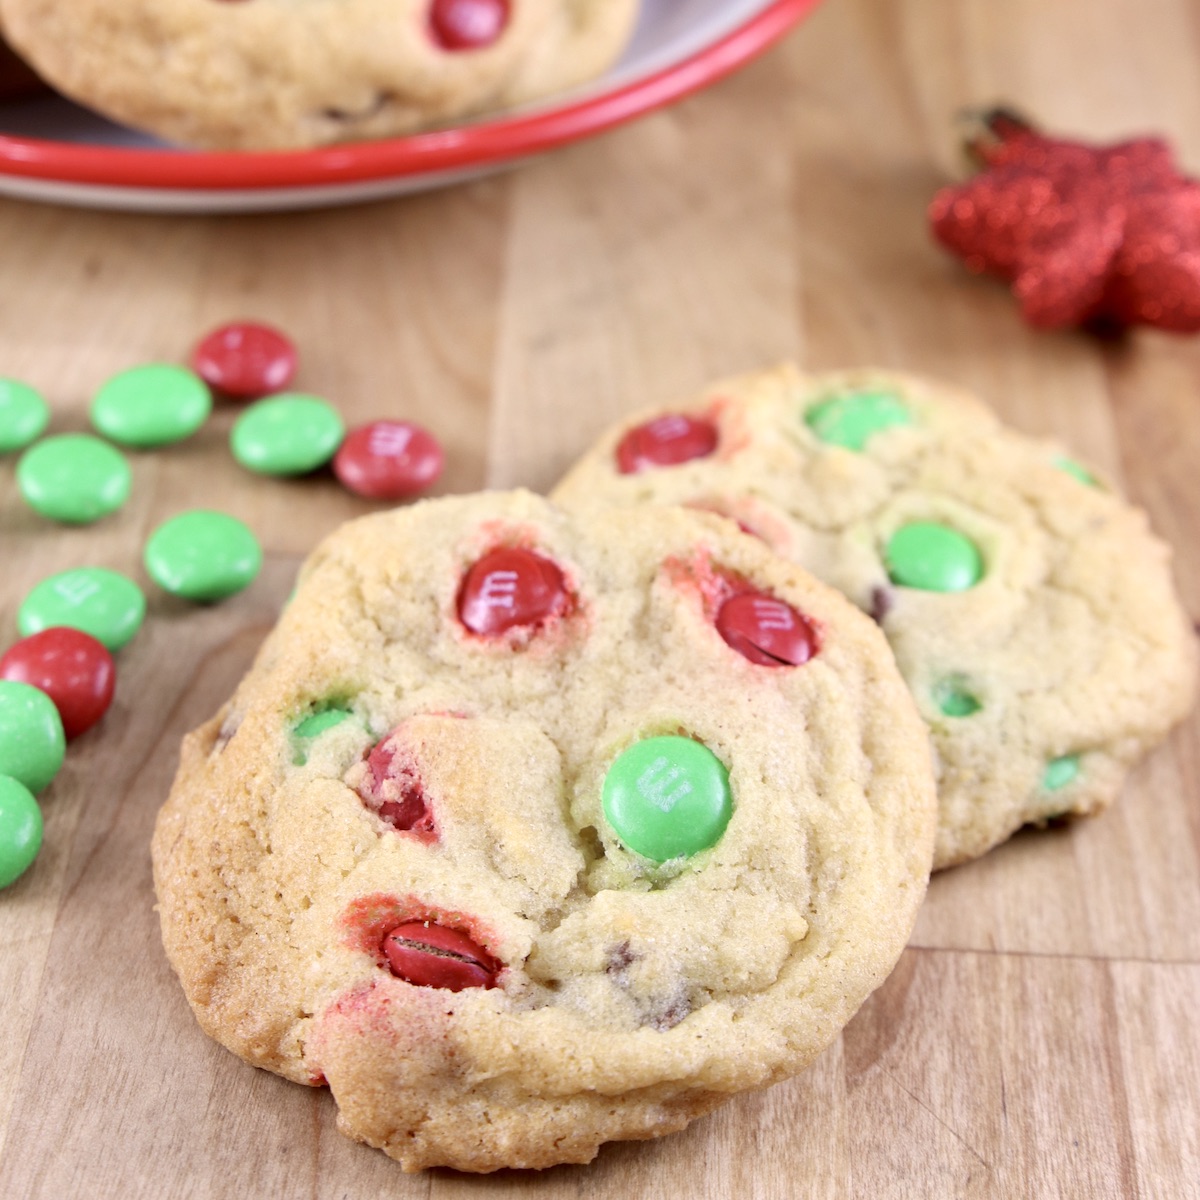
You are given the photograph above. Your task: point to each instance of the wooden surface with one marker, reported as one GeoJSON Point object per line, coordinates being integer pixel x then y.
{"type": "Point", "coordinates": [1039, 1038]}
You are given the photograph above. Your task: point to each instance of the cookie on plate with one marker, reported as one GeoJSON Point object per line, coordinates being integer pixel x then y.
{"type": "Point", "coordinates": [1030, 609]}
{"type": "Point", "coordinates": [527, 832]}
{"type": "Point", "coordinates": [277, 74]}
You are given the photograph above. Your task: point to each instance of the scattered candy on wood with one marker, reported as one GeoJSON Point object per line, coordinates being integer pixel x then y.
{"type": "Point", "coordinates": [151, 405]}
{"type": "Point", "coordinates": [20, 829]}
{"type": "Point", "coordinates": [245, 360]}
{"type": "Point", "coordinates": [24, 415]}
{"type": "Point", "coordinates": [101, 602]}
{"type": "Point", "coordinates": [388, 460]}
{"type": "Point", "coordinates": [289, 434]}
{"type": "Point", "coordinates": [74, 478]}
{"type": "Point", "coordinates": [1100, 236]}
{"type": "Point", "coordinates": [73, 668]}
{"type": "Point", "coordinates": [203, 555]}
{"type": "Point", "coordinates": [58, 680]}
{"type": "Point", "coordinates": [32, 742]}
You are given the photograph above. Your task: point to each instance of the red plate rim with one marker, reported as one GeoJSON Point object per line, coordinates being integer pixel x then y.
{"type": "Point", "coordinates": [488, 142]}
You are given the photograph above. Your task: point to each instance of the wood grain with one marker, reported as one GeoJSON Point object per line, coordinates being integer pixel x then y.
{"type": "Point", "coordinates": [1039, 1037]}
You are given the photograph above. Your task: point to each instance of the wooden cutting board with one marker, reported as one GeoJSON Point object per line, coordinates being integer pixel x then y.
{"type": "Point", "coordinates": [1039, 1037]}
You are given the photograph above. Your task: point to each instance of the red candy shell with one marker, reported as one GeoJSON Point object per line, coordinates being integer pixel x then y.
{"type": "Point", "coordinates": [467, 24]}
{"type": "Point", "coordinates": [388, 460]}
{"type": "Point", "coordinates": [510, 587]}
{"type": "Point", "coordinates": [245, 359]}
{"type": "Point", "coordinates": [400, 796]}
{"type": "Point", "coordinates": [71, 667]}
{"type": "Point", "coordinates": [665, 442]}
{"type": "Point", "coordinates": [766, 630]}
{"type": "Point", "coordinates": [433, 956]}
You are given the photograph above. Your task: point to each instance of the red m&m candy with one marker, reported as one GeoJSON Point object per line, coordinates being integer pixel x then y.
{"type": "Point", "coordinates": [467, 24]}
{"type": "Point", "coordinates": [71, 667]}
{"type": "Point", "coordinates": [394, 790]}
{"type": "Point", "coordinates": [509, 587]}
{"type": "Point", "coordinates": [766, 630]}
{"type": "Point", "coordinates": [388, 460]}
{"type": "Point", "coordinates": [245, 359]}
{"type": "Point", "coordinates": [665, 442]}
{"type": "Point", "coordinates": [431, 955]}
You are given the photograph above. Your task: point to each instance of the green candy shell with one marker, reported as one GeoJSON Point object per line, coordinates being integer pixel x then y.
{"type": "Point", "coordinates": [852, 419]}
{"type": "Point", "coordinates": [151, 405]}
{"type": "Point", "coordinates": [203, 555]}
{"type": "Point", "coordinates": [20, 829]}
{"type": "Point", "coordinates": [667, 797]}
{"type": "Point", "coordinates": [290, 434]}
{"type": "Point", "coordinates": [74, 478]}
{"type": "Point", "coordinates": [101, 602]}
{"type": "Point", "coordinates": [24, 415]}
{"type": "Point", "coordinates": [933, 558]}
{"type": "Point", "coordinates": [32, 743]}
{"type": "Point", "coordinates": [954, 700]}
{"type": "Point", "coordinates": [1060, 771]}
{"type": "Point", "coordinates": [317, 723]}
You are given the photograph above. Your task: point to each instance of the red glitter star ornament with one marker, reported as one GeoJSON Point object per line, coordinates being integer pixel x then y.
{"type": "Point", "coordinates": [1099, 236]}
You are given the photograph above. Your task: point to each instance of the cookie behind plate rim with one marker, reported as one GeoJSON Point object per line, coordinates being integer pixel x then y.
{"type": "Point", "coordinates": [286, 74]}
{"type": "Point", "coordinates": [388, 864]}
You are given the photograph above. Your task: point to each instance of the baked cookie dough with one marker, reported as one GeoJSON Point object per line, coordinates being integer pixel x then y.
{"type": "Point", "coordinates": [284, 74]}
{"type": "Point", "coordinates": [527, 832]}
{"type": "Point", "coordinates": [1030, 609]}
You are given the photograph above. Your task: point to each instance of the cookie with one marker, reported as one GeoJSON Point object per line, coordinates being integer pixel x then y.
{"type": "Point", "coordinates": [527, 832]}
{"type": "Point", "coordinates": [1030, 609]}
{"type": "Point", "coordinates": [276, 74]}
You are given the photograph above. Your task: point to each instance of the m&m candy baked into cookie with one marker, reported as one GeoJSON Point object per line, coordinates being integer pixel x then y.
{"type": "Point", "coordinates": [1030, 609]}
{"type": "Point", "coordinates": [530, 831]}
{"type": "Point", "coordinates": [279, 74]}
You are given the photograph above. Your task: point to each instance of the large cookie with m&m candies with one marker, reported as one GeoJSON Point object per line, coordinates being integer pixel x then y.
{"type": "Point", "coordinates": [527, 832]}
{"type": "Point", "coordinates": [281, 74]}
{"type": "Point", "coordinates": [1030, 608]}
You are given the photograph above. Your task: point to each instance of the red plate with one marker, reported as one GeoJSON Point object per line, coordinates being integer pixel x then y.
{"type": "Point", "coordinates": [680, 47]}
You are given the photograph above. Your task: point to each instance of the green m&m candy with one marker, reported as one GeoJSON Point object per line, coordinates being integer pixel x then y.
{"type": "Point", "coordinates": [151, 405]}
{"type": "Point", "coordinates": [203, 555]}
{"type": "Point", "coordinates": [32, 743]}
{"type": "Point", "coordinates": [100, 602]}
{"type": "Point", "coordinates": [667, 797]}
{"type": "Point", "coordinates": [317, 723]}
{"type": "Point", "coordinates": [850, 420]}
{"type": "Point", "coordinates": [20, 829]}
{"type": "Point", "coordinates": [1060, 771]}
{"type": "Point", "coordinates": [933, 558]}
{"type": "Point", "coordinates": [24, 415]}
{"type": "Point", "coordinates": [74, 478]}
{"type": "Point", "coordinates": [289, 434]}
{"type": "Point", "coordinates": [954, 698]}
{"type": "Point", "coordinates": [1076, 471]}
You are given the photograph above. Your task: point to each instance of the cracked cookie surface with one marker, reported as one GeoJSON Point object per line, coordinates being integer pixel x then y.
{"type": "Point", "coordinates": [398, 860]}
{"type": "Point", "coordinates": [1030, 609]}
{"type": "Point", "coordinates": [287, 74]}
